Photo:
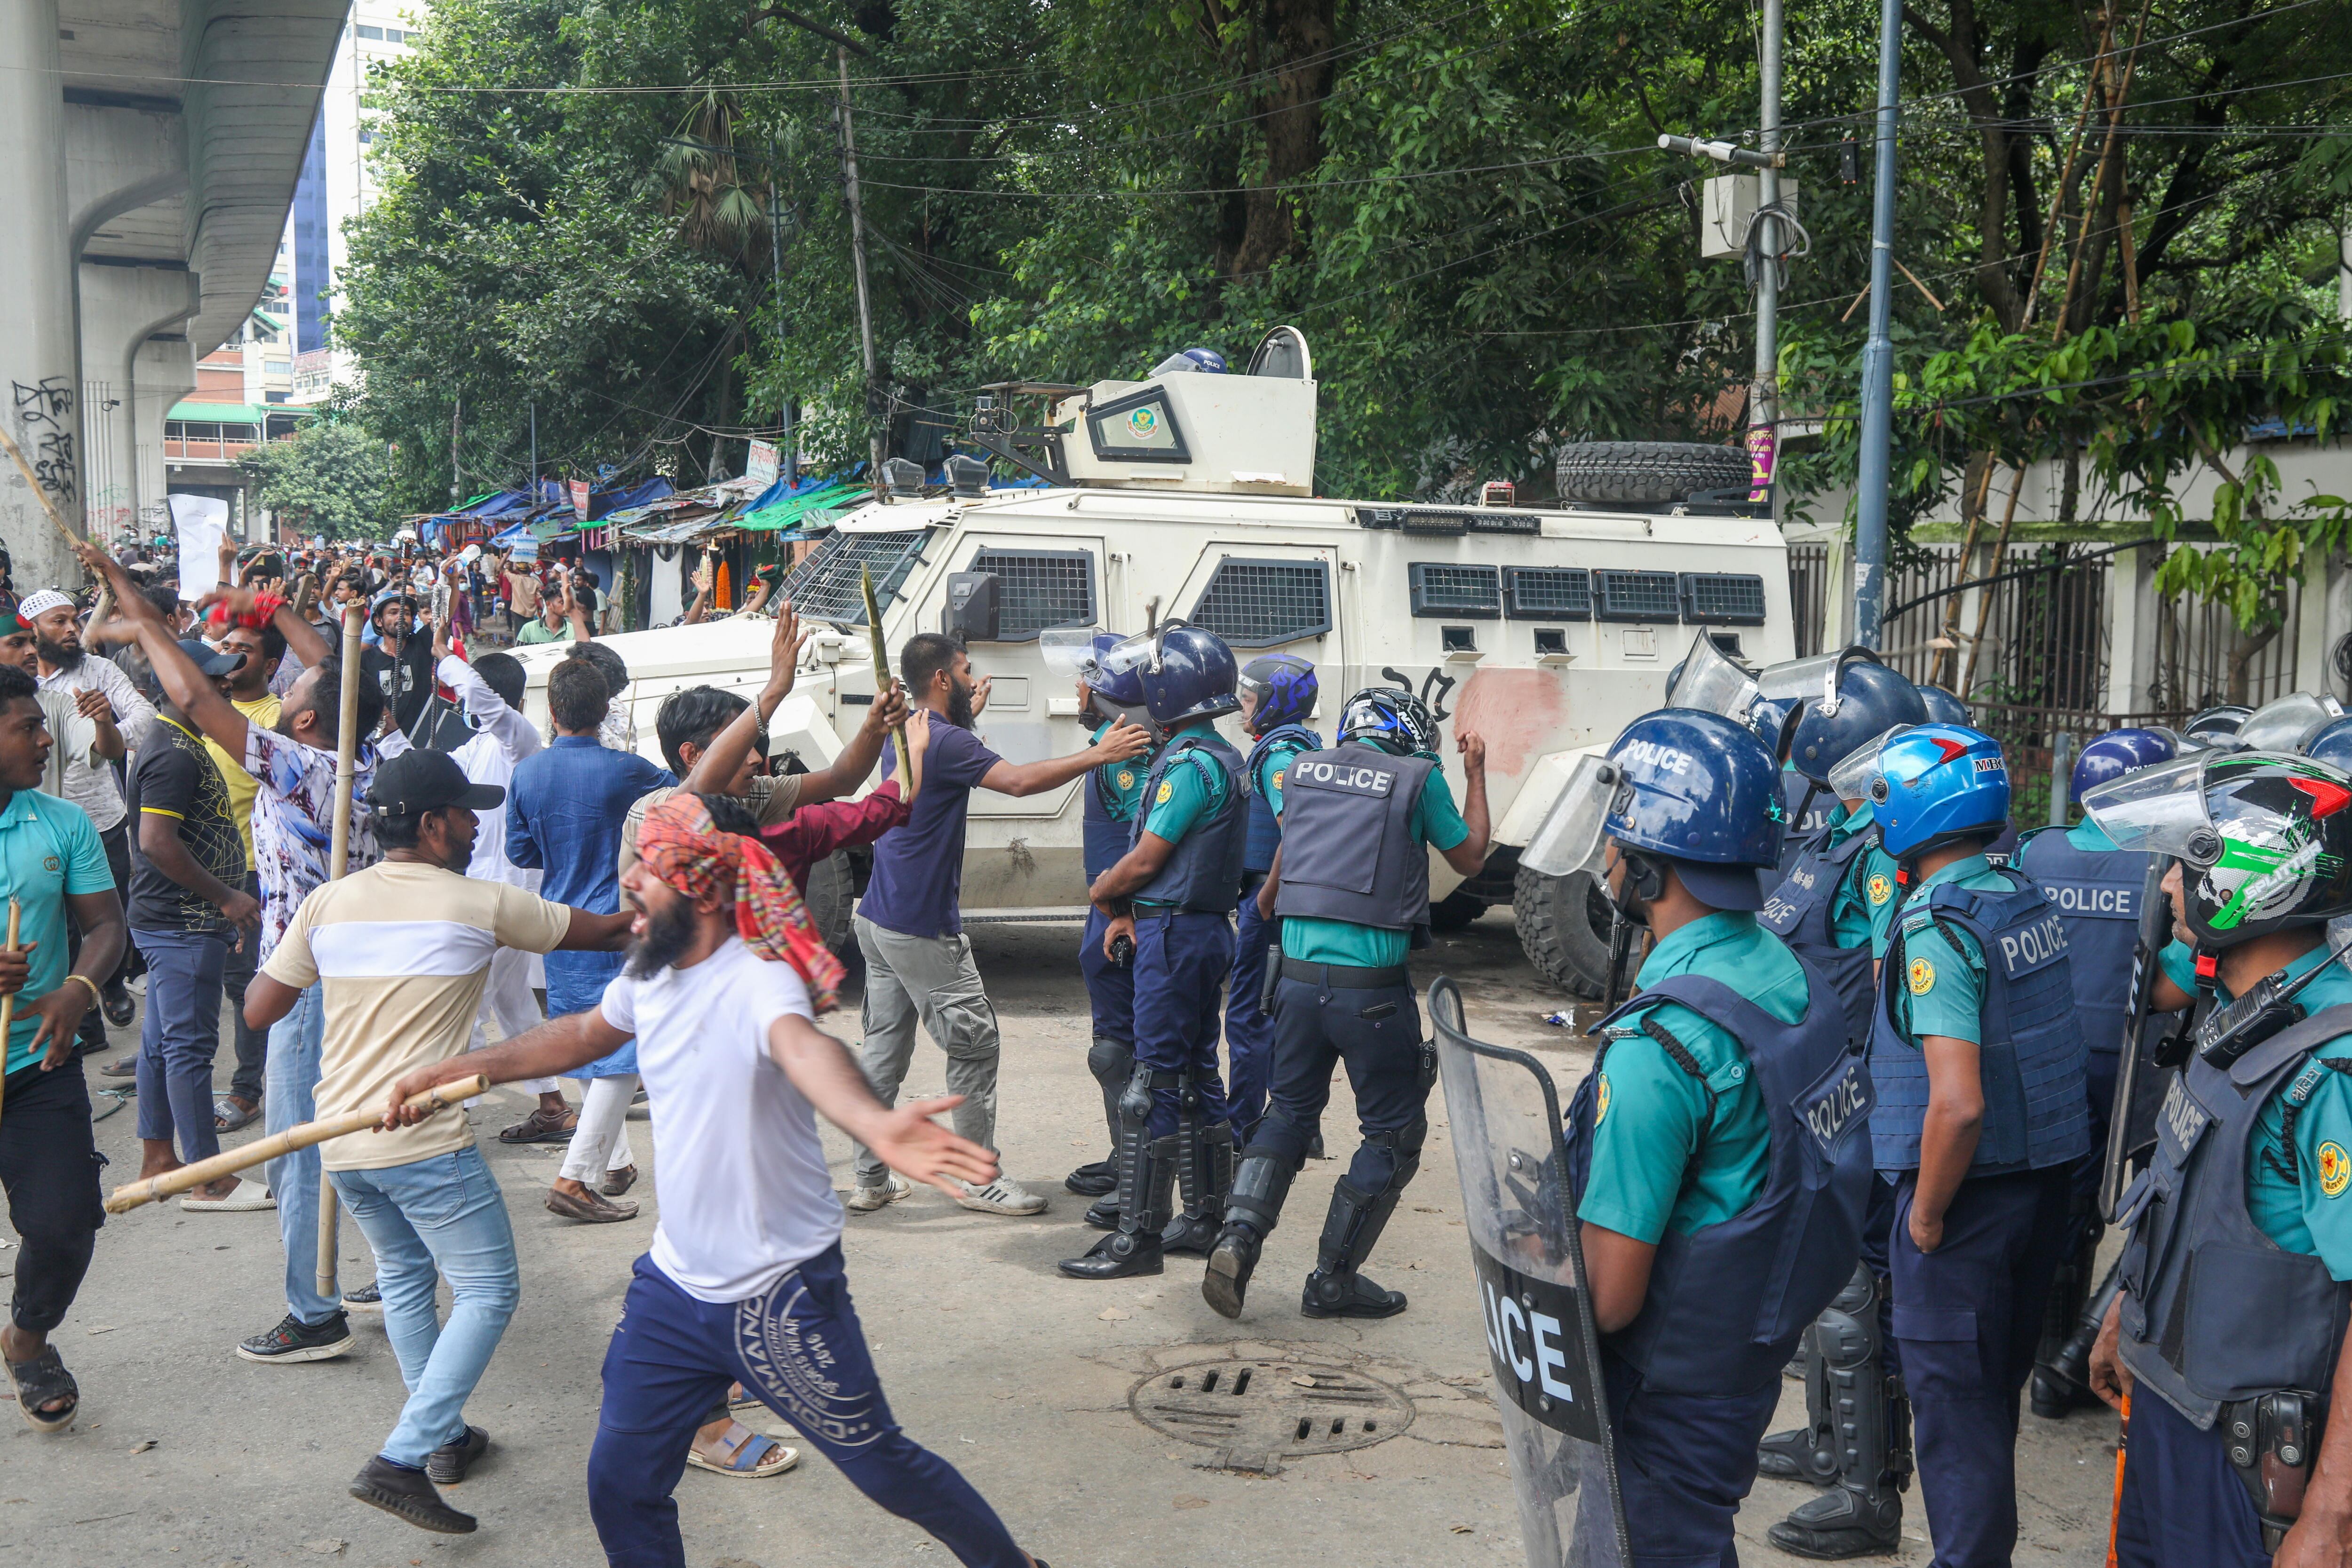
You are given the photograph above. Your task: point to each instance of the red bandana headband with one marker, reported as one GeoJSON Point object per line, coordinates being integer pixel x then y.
{"type": "Point", "coordinates": [679, 844]}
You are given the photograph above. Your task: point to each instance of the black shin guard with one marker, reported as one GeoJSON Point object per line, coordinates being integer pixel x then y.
{"type": "Point", "coordinates": [2060, 1383]}
{"type": "Point", "coordinates": [1862, 1514]}
{"type": "Point", "coordinates": [1113, 1063]}
{"type": "Point", "coordinates": [1147, 1176]}
{"type": "Point", "coordinates": [1204, 1173]}
{"type": "Point", "coordinates": [1253, 1204]}
{"type": "Point", "coordinates": [1807, 1453]}
{"type": "Point", "coordinates": [1351, 1227]}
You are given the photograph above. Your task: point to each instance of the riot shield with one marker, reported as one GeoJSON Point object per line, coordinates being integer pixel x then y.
{"type": "Point", "coordinates": [1540, 1339]}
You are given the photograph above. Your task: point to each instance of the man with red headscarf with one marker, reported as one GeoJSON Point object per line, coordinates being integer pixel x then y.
{"type": "Point", "coordinates": [726, 974]}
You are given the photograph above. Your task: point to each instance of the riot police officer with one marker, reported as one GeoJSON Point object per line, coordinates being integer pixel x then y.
{"type": "Point", "coordinates": [1977, 1057]}
{"type": "Point", "coordinates": [1111, 791]}
{"type": "Point", "coordinates": [2230, 1329]}
{"type": "Point", "coordinates": [1172, 897]}
{"type": "Point", "coordinates": [1720, 1139]}
{"type": "Point", "coordinates": [2096, 888]}
{"type": "Point", "coordinates": [1351, 885]}
{"type": "Point", "coordinates": [1277, 695]}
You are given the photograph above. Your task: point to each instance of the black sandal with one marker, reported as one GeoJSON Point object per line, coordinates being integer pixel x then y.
{"type": "Point", "coordinates": [39, 1380]}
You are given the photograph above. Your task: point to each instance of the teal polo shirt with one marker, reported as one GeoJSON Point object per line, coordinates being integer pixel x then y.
{"type": "Point", "coordinates": [1273, 767]}
{"type": "Point", "coordinates": [1866, 900]}
{"type": "Point", "coordinates": [2310, 1213]}
{"type": "Point", "coordinates": [48, 849]}
{"type": "Point", "coordinates": [1194, 786]}
{"type": "Point", "coordinates": [1942, 988]}
{"type": "Point", "coordinates": [1660, 1162]}
{"type": "Point", "coordinates": [1122, 782]}
{"type": "Point", "coordinates": [1437, 822]}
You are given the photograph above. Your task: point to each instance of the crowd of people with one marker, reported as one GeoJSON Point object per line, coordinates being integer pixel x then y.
{"type": "Point", "coordinates": [1872, 1057]}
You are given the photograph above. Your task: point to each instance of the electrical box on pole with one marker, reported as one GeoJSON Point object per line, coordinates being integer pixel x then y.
{"type": "Point", "coordinates": [1728, 206]}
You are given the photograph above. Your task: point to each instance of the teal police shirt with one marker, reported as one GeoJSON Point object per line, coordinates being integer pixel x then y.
{"type": "Point", "coordinates": [1275, 766]}
{"type": "Point", "coordinates": [1193, 787]}
{"type": "Point", "coordinates": [1866, 900]}
{"type": "Point", "coordinates": [1437, 822]}
{"type": "Point", "coordinates": [1122, 782]}
{"type": "Point", "coordinates": [47, 850]}
{"type": "Point", "coordinates": [1942, 988]}
{"type": "Point", "coordinates": [1659, 1162]}
{"type": "Point", "coordinates": [2310, 1212]}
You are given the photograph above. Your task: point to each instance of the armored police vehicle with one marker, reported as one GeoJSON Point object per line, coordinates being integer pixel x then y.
{"type": "Point", "coordinates": [1545, 628]}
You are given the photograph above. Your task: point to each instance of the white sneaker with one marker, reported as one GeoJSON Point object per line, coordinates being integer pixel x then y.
{"type": "Point", "coordinates": [1002, 1195]}
{"type": "Point", "coordinates": [864, 1199]}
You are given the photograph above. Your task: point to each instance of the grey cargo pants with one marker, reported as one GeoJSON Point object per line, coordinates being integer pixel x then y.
{"type": "Point", "coordinates": [932, 978]}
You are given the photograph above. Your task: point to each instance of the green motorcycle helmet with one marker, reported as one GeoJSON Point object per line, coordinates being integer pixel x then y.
{"type": "Point", "coordinates": [2263, 838]}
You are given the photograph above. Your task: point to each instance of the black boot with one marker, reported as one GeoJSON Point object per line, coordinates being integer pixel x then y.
{"type": "Point", "coordinates": [1102, 1212]}
{"type": "Point", "coordinates": [1147, 1194]}
{"type": "Point", "coordinates": [1806, 1452]}
{"type": "Point", "coordinates": [1840, 1523]}
{"type": "Point", "coordinates": [1094, 1179]}
{"type": "Point", "coordinates": [1252, 1207]}
{"type": "Point", "coordinates": [2062, 1383]}
{"type": "Point", "coordinates": [1205, 1175]}
{"type": "Point", "coordinates": [1351, 1228]}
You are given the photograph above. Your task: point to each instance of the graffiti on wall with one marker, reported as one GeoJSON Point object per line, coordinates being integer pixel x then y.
{"type": "Point", "coordinates": [43, 413]}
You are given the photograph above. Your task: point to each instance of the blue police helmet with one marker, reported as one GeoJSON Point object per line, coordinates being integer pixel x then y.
{"type": "Point", "coordinates": [1393, 719]}
{"type": "Point", "coordinates": [1872, 699]}
{"type": "Point", "coordinates": [1936, 783]}
{"type": "Point", "coordinates": [1199, 360]}
{"type": "Point", "coordinates": [1943, 708]}
{"type": "Point", "coordinates": [1121, 687]}
{"type": "Point", "coordinates": [1284, 687]}
{"type": "Point", "coordinates": [1703, 792]}
{"type": "Point", "coordinates": [2116, 753]}
{"type": "Point", "coordinates": [1190, 676]}
{"type": "Point", "coordinates": [2332, 745]}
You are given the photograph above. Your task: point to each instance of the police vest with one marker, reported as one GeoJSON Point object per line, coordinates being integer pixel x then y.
{"type": "Point", "coordinates": [1348, 850]}
{"type": "Point", "coordinates": [1204, 874]}
{"type": "Point", "coordinates": [1798, 912]}
{"type": "Point", "coordinates": [2096, 894]}
{"type": "Point", "coordinates": [1727, 1304]}
{"type": "Point", "coordinates": [1265, 828]}
{"type": "Point", "coordinates": [2030, 1062]}
{"type": "Point", "coordinates": [1809, 806]}
{"type": "Point", "coordinates": [1108, 819]}
{"type": "Point", "coordinates": [2214, 1311]}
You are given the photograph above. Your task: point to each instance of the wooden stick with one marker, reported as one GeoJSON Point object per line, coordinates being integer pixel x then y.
{"type": "Point", "coordinates": [8, 1003]}
{"type": "Point", "coordinates": [131, 1194]}
{"type": "Point", "coordinates": [49, 506]}
{"type": "Point", "coordinates": [338, 854]}
{"type": "Point", "coordinates": [882, 671]}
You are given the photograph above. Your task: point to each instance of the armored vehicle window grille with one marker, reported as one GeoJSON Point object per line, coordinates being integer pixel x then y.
{"type": "Point", "coordinates": [1256, 603]}
{"type": "Point", "coordinates": [1441, 588]}
{"type": "Point", "coordinates": [1040, 588]}
{"type": "Point", "coordinates": [1637, 596]}
{"type": "Point", "coordinates": [1548, 592]}
{"type": "Point", "coordinates": [824, 587]}
{"type": "Point", "coordinates": [1723, 598]}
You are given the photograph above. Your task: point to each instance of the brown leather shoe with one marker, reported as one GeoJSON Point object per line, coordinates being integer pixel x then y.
{"type": "Point", "coordinates": [543, 1126]}
{"type": "Point", "coordinates": [620, 1181]}
{"type": "Point", "coordinates": [593, 1207]}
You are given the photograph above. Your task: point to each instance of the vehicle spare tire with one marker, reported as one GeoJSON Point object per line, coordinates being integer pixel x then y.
{"type": "Point", "coordinates": [1648, 472]}
{"type": "Point", "coordinates": [1564, 925]}
{"type": "Point", "coordinates": [830, 897]}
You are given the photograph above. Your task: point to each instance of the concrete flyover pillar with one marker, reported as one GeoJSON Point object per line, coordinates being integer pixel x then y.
{"type": "Point", "coordinates": [121, 307]}
{"type": "Point", "coordinates": [40, 371]}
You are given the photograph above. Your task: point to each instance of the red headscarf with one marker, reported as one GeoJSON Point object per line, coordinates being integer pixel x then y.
{"type": "Point", "coordinates": [679, 844]}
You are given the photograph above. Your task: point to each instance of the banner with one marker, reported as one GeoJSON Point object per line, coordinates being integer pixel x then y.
{"type": "Point", "coordinates": [763, 464]}
{"type": "Point", "coordinates": [199, 523]}
{"type": "Point", "coordinates": [579, 491]}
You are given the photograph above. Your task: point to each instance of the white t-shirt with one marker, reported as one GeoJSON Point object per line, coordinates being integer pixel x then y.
{"type": "Point", "coordinates": [746, 1196]}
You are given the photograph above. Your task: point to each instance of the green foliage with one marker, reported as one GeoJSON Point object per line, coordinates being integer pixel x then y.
{"type": "Point", "coordinates": [329, 478]}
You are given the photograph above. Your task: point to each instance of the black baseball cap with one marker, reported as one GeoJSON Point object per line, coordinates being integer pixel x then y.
{"type": "Point", "coordinates": [209, 663]}
{"type": "Point", "coordinates": [420, 780]}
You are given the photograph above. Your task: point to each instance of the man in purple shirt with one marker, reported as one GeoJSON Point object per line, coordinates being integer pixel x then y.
{"type": "Point", "coordinates": [910, 927]}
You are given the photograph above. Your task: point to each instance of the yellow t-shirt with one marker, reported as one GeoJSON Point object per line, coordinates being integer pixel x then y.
{"type": "Point", "coordinates": [403, 950]}
{"type": "Point", "coordinates": [262, 711]}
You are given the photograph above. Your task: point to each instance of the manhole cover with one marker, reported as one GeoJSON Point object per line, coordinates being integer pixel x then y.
{"type": "Point", "coordinates": [1256, 1413]}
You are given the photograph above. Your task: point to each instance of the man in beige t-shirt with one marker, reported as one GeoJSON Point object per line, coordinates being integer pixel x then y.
{"type": "Point", "coordinates": [401, 951]}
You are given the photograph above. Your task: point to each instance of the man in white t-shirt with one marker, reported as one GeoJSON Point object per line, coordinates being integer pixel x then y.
{"type": "Point", "coordinates": [744, 1282]}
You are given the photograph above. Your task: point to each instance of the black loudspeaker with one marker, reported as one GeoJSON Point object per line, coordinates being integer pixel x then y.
{"type": "Point", "coordinates": [974, 606]}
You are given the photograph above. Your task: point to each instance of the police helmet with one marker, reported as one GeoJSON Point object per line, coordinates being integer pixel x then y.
{"type": "Point", "coordinates": [1700, 790]}
{"type": "Point", "coordinates": [2217, 724]}
{"type": "Point", "coordinates": [1284, 687]}
{"type": "Point", "coordinates": [1871, 700]}
{"type": "Point", "coordinates": [1393, 719]}
{"type": "Point", "coordinates": [1943, 708]}
{"type": "Point", "coordinates": [2116, 753]}
{"type": "Point", "coordinates": [2285, 723]}
{"type": "Point", "coordinates": [2264, 840]}
{"type": "Point", "coordinates": [1117, 693]}
{"type": "Point", "coordinates": [2332, 745]}
{"type": "Point", "coordinates": [1208, 359]}
{"type": "Point", "coordinates": [1190, 676]}
{"type": "Point", "coordinates": [1936, 784]}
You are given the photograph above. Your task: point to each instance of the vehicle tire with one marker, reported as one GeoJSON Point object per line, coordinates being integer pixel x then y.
{"type": "Point", "coordinates": [829, 900]}
{"type": "Point", "coordinates": [1564, 925]}
{"type": "Point", "coordinates": [1648, 472]}
{"type": "Point", "coordinates": [1455, 911]}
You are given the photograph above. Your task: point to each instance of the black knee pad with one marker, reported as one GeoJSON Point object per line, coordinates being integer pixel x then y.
{"type": "Point", "coordinates": [1111, 1061]}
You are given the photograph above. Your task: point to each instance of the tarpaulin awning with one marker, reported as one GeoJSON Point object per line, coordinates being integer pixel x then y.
{"type": "Point", "coordinates": [814, 501]}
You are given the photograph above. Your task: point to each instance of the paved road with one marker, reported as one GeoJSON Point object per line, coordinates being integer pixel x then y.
{"type": "Point", "coordinates": [186, 1454]}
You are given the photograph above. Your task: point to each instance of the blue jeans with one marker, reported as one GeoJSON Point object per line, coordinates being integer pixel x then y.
{"type": "Point", "coordinates": [293, 1080]}
{"type": "Point", "coordinates": [445, 1215]}
{"type": "Point", "coordinates": [178, 1038]}
{"type": "Point", "coordinates": [798, 1347]}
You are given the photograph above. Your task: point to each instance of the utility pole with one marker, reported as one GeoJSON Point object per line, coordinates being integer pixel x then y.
{"type": "Point", "coordinates": [534, 454]}
{"type": "Point", "coordinates": [457, 412]}
{"type": "Point", "coordinates": [857, 255]}
{"type": "Point", "coordinates": [1764, 397]}
{"type": "Point", "coordinates": [785, 466]}
{"type": "Point", "coordinates": [1878, 354]}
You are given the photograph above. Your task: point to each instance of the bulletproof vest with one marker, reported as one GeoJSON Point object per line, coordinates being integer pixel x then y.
{"type": "Point", "coordinates": [1798, 912]}
{"type": "Point", "coordinates": [1265, 828]}
{"type": "Point", "coordinates": [1727, 1304]}
{"type": "Point", "coordinates": [1107, 820]}
{"type": "Point", "coordinates": [2030, 1058]}
{"type": "Point", "coordinates": [1808, 806]}
{"type": "Point", "coordinates": [1350, 852]}
{"type": "Point", "coordinates": [2214, 1311]}
{"type": "Point", "coordinates": [2096, 894]}
{"type": "Point", "coordinates": [1204, 874]}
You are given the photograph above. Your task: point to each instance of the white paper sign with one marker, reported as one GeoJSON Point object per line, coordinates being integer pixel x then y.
{"type": "Point", "coordinates": [200, 523]}
{"type": "Point", "coordinates": [762, 464]}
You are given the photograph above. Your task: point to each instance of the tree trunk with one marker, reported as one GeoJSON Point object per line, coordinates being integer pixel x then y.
{"type": "Point", "coordinates": [1293, 48]}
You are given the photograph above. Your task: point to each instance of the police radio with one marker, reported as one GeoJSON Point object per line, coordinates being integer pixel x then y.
{"type": "Point", "coordinates": [2229, 1032]}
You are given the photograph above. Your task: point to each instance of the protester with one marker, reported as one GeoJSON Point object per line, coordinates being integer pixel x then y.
{"type": "Point", "coordinates": [57, 869]}
{"type": "Point", "coordinates": [249, 694]}
{"type": "Point", "coordinates": [560, 617]}
{"type": "Point", "coordinates": [398, 656]}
